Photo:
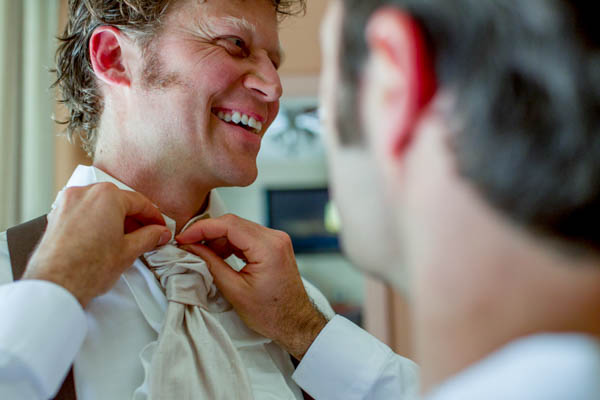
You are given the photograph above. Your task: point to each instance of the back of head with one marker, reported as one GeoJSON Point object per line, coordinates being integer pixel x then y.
{"type": "Point", "coordinates": [525, 76]}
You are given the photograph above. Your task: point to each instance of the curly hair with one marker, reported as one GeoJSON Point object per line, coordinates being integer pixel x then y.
{"type": "Point", "coordinates": [141, 20]}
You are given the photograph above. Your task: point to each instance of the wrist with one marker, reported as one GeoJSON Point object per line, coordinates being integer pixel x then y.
{"type": "Point", "coordinates": [305, 329]}
{"type": "Point", "coordinates": [54, 276]}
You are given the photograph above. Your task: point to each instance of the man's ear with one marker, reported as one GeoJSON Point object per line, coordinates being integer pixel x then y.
{"type": "Point", "coordinates": [397, 43]}
{"type": "Point", "coordinates": [106, 55]}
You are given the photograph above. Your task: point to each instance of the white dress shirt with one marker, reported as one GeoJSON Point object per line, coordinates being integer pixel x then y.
{"type": "Point", "coordinates": [43, 329]}
{"type": "Point", "coordinates": [346, 363]}
{"type": "Point", "coordinates": [539, 367]}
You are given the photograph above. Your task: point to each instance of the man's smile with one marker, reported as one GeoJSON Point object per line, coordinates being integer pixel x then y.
{"type": "Point", "coordinates": [251, 123]}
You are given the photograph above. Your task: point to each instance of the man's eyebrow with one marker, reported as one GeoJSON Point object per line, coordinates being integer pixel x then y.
{"type": "Point", "coordinates": [206, 25]}
{"type": "Point", "coordinates": [240, 23]}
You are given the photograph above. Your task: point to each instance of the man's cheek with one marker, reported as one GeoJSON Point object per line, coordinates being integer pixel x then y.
{"type": "Point", "coordinates": [214, 76]}
{"type": "Point", "coordinates": [273, 111]}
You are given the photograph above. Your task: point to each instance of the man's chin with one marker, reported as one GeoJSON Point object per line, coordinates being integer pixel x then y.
{"type": "Point", "coordinates": [241, 179]}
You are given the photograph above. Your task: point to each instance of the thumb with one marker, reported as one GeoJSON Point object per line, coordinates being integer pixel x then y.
{"type": "Point", "coordinates": [146, 238]}
{"type": "Point", "coordinates": [226, 278]}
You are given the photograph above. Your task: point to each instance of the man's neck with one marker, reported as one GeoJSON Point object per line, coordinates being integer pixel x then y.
{"type": "Point", "coordinates": [447, 345]}
{"type": "Point", "coordinates": [182, 211]}
{"type": "Point", "coordinates": [493, 283]}
{"type": "Point", "coordinates": [175, 198]}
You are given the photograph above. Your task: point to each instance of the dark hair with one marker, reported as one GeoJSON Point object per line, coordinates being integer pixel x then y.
{"type": "Point", "coordinates": [526, 79]}
{"type": "Point", "coordinates": [141, 19]}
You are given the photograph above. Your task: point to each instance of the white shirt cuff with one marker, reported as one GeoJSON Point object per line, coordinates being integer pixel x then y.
{"type": "Point", "coordinates": [42, 327]}
{"type": "Point", "coordinates": [344, 362]}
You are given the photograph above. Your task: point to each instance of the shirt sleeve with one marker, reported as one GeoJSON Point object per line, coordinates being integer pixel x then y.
{"type": "Point", "coordinates": [42, 327]}
{"type": "Point", "coordinates": [346, 362]}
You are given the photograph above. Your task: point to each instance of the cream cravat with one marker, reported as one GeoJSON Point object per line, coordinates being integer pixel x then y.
{"type": "Point", "coordinates": [194, 358]}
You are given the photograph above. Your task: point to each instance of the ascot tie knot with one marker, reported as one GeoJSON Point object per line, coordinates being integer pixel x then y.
{"type": "Point", "coordinates": [185, 278]}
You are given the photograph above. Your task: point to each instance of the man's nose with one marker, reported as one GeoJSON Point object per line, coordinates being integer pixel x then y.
{"type": "Point", "coordinates": [264, 79]}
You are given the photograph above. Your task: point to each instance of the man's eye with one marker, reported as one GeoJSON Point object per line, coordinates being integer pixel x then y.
{"type": "Point", "coordinates": [235, 46]}
{"type": "Point", "coordinates": [236, 41]}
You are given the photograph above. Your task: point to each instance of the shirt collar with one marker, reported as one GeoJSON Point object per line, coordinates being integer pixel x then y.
{"type": "Point", "coordinates": [86, 175]}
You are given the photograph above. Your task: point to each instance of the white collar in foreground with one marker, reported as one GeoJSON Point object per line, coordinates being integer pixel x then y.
{"type": "Point", "coordinates": [86, 175]}
{"type": "Point", "coordinates": [543, 366]}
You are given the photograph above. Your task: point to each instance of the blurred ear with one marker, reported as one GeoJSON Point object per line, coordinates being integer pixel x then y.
{"type": "Point", "coordinates": [107, 56]}
{"type": "Point", "coordinates": [401, 70]}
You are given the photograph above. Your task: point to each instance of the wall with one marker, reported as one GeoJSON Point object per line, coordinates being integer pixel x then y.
{"type": "Point", "coordinates": [300, 41]}
{"type": "Point", "coordinates": [26, 106]}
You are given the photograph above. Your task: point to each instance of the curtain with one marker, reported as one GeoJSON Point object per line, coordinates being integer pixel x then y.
{"type": "Point", "coordinates": [27, 43]}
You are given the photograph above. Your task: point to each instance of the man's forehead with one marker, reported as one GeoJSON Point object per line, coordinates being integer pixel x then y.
{"type": "Point", "coordinates": [231, 11]}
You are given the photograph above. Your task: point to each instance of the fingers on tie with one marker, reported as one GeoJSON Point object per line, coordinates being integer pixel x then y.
{"type": "Point", "coordinates": [132, 224]}
{"type": "Point", "coordinates": [138, 207]}
{"type": "Point", "coordinates": [220, 246]}
{"type": "Point", "coordinates": [205, 230]}
{"type": "Point", "coordinates": [145, 239]}
{"type": "Point", "coordinates": [243, 236]}
{"type": "Point", "coordinates": [225, 277]}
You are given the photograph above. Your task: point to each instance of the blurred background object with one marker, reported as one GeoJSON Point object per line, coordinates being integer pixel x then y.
{"type": "Point", "coordinates": [296, 130]}
{"type": "Point", "coordinates": [291, 192]}
{"type": "Point", "coordinates": [27, 31]}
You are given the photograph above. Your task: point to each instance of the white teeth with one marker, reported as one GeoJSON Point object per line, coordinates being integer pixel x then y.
{"type": "Point", "coordinates": [239, 118]}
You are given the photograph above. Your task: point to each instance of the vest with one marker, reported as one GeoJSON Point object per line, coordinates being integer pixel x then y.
{"type": "Point", "coordinates": [22, 241]}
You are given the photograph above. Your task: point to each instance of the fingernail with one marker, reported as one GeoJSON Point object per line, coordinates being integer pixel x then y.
{"type": "Point", "coordinates": [164, 238]}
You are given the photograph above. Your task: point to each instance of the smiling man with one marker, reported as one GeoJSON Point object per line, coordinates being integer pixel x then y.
{"type": "Point", "coordinates": [177, 108]}
{"type": "Point", "coordinates": [171, 99]}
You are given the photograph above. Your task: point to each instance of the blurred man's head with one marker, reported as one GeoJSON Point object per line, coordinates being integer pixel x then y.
{"type": "Point", "coordinates": [464, 143]}
{"type": "Point", "coordinates": [523, 112]}
{"type": "Point", "coordinates": [156, 84]}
